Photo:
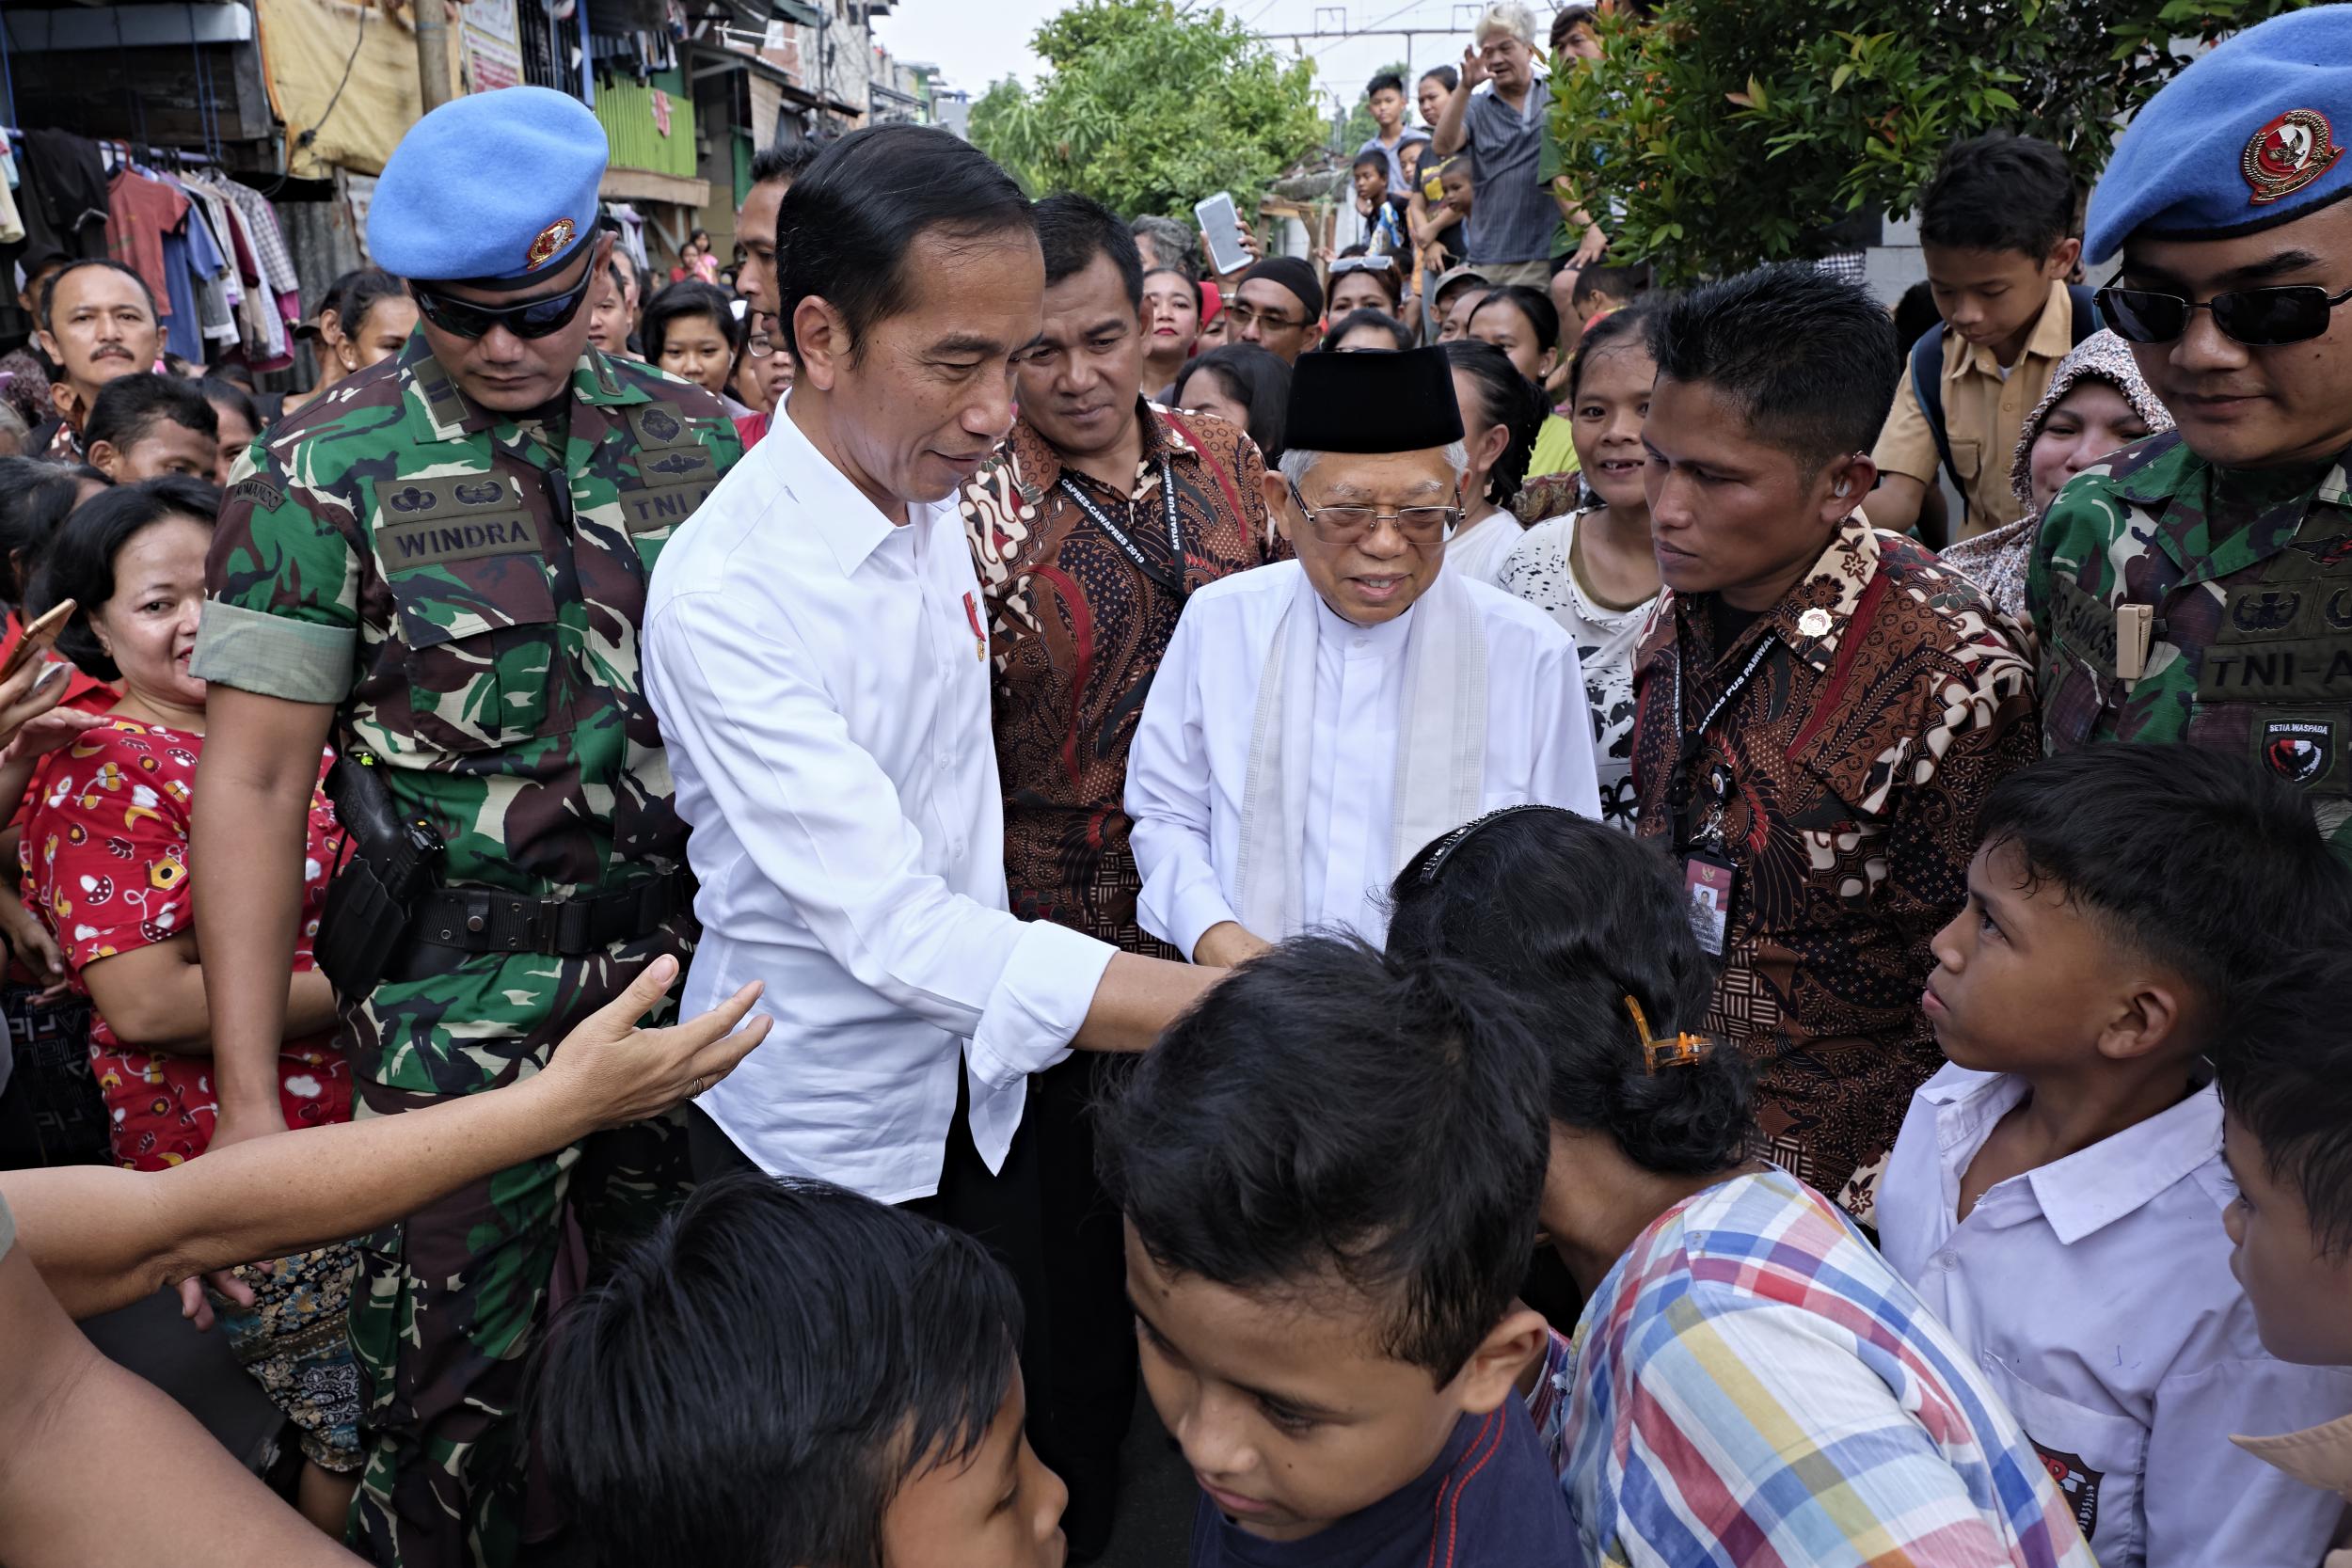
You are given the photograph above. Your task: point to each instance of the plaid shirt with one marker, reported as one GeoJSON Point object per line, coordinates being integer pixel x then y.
{"type": "Point", "coordinates": [1753, 1385]}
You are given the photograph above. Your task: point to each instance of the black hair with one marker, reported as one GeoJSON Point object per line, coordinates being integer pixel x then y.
{"type": "Point", "coordinates": [1606, 334]}
{"type": "Point", "coordinates": [128, 409]}
{"type": "Point", "coordinates": [1366, 316]}
{"type": "Point", "coordinates": [228, 394]}
{"type": "Point", "coordinates": [680, 301]}
{"type": "Point", "coordinates": [1533, 304]}
{"type": "Point", "coordinates": [1189, 282]}
{"type": "Point", "coordinates": [80, 563]}
{"type": "Point", "coordinates": [1626, 283]}
{"type": "Point", "coordinates": [1916, 315]}
{"type": "Point", "coordinates": [1369, 159]}
{"type": "Point", "coordinates": [361, 292]}
{"type": "Point", "coordinates": [1324, 1111]}
{"type": "Point", "coordinates": [1391, 80]}
{"type": "Point", "coordinates": [1390, 279]}
{"type": "Point", "coordinates": [1446, 74]}
{"type": "Point", "coordinates": [1510, 400]}
{"type": "Point", "coordinates": [846, 231]}
{"type": "Point", "coordinates": [1810, 361]}
{"type": "Point", "coordinates": [49, 290]}
{"type": "Point", "coordinates": [759, 1378]}
{"type": "Point", "coordinates": [36, 498]}
{"type": "Point", "coordinates": [1073, 229]}
{"type": "Point", "coordinates": [1574, 917]}
{"type": "Point", "coordinates": [2206, 861]}
{"type": "Point", "coordinates": [1258, 379]}
{"type": "Point", "coordinates": [1999, 192]}
{"type": "Point", "coordinates": [2285, 1070]}
{"type": "Point", "coordinates": [781, 162]}
{"type": "Point", "coordinates": [1177, 247]}
{"type": "Point", "coordinates": [1570, 17]}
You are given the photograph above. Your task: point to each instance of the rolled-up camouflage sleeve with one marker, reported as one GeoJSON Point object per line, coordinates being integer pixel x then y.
{"type": "Point", "coordinates": [281, 610]}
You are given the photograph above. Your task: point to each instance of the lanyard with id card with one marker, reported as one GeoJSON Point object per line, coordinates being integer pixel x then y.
{"type": "Point", "coordinates": [1708, 875]}
{"type": "Point", "coordinates": [1168, 573]}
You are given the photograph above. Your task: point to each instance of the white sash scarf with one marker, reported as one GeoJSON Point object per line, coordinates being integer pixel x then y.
{"type": "Point", "coordinates": [1441, 748]}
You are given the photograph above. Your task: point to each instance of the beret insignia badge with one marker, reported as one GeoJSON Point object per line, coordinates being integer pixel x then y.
{"type": "Point", "coordinates": [2289, 153]}
{"type": "Point", "coordinates": [556, 235]}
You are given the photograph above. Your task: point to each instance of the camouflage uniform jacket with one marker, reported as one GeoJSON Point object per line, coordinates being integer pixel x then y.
{"type": "Point", "coordinates": [2249, 575]}
{"type": "Point", "coordinates": [469, 597]}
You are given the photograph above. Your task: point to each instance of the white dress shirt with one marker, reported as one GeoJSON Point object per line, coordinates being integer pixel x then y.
{"type": "Point", "coordinates": [2096, 1292]}
{"type": "Point", "coordinates": [822, 685]}
{"type": "Point", "coordinates": [1479, 551]}
{"type": "Point", "coordinates": [1190, 761]}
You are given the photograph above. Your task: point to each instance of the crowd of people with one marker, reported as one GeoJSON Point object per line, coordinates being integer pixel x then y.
{"type": "Point", "coordinates": [1554, 914]}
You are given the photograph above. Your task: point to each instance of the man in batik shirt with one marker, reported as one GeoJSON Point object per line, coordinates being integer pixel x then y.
{"type": "Point", "coordinates": [1822, 707]}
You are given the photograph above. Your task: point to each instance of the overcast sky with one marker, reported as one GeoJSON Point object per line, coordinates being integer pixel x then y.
{"type": "Point", "coordinates": [976, 41]}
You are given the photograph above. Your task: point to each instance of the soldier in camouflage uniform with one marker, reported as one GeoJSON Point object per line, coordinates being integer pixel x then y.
{"type": "Point", "coordinates": [2195, 587]}
{"type": "Point", "coordinates": [448, 557]}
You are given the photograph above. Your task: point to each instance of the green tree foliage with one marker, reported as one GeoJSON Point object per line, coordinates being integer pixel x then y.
{"type": "Point", "coordinates": [1724, 133]}
{"type": "Point", "coordinates": [1148, 110]}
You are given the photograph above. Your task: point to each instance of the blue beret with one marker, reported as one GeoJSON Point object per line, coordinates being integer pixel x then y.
{"type": "Point", "coordinates": [2248, 137]}
{"type": "Point", "coordinates": [493, 187]}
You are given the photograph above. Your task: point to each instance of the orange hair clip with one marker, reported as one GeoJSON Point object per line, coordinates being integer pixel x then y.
{"type": "Point", "coordinates": [1682, 1050]}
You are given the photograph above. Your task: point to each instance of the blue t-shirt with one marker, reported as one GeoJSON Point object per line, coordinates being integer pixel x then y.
{"type": "Point", "coordinates": [1490, 1501]}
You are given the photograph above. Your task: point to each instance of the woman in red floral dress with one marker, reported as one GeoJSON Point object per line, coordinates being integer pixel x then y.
{"type": "Point", "coordinates": [106, 860]}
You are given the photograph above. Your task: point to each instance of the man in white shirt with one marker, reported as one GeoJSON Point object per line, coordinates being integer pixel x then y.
{"type": "Point", "coordinates": [816, 655]}
{"type": "Point", "coordinates": [1314, 723]}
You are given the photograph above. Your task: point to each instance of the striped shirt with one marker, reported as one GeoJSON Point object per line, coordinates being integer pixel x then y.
{"type": "Point", "coordinates": [1753, 1385]}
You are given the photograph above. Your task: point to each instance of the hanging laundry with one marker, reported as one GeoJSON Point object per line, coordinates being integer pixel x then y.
{"type": "Point", "coordinates": [11, 223]}
{"type": "Point", "coordinates": [63, 201]}
{"type": "Point", "coordinates": [140, 212]}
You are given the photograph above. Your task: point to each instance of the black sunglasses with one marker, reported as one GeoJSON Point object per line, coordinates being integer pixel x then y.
{"type": "Point", "coordinates": [2258, 318]}
{"type": "Point", "coordinates": [532, 318]}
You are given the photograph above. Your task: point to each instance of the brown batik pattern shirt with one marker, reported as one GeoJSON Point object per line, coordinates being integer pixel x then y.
{"type": "Point", "coordinates": [1077, 630]}
{"type": "Point", "coordinates": [1843, 782]}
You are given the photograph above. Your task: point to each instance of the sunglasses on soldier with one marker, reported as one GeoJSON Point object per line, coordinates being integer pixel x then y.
{"type": "Point", "coordinates": [2258, 318]}
{"type": "Point", "coordinates": [532, 318]}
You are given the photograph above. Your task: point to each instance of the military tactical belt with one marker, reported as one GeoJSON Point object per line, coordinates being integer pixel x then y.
{"type": "Point", "coordinates": [481, 920]}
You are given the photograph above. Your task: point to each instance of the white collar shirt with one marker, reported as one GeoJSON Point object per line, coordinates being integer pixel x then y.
{"type": "Point", "coordinates": [1188, 768]}
{"type": "Point", "coordinates": [1479, 551]}
{"type": "Point", "coordinates": [819, 679]}
{"type": "Point", "coordinates": [2096, 1292]}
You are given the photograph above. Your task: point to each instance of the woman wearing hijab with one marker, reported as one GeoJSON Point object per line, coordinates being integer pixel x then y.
{"type": "Point", "coordinates": [2097, 404]}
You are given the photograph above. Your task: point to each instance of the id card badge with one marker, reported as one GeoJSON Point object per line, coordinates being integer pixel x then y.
{"type": "Point", "coordinates": [1707, 882]}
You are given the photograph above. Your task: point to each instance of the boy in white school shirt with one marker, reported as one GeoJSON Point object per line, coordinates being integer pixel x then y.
{"type": "Point", "coordinates": [2057, 1191]}
{"type": "Point", "coordinates": [2286, 1101]}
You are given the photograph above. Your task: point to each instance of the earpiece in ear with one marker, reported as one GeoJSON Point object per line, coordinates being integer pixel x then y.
{"type": "Point", "coordinates": [1843, 485]}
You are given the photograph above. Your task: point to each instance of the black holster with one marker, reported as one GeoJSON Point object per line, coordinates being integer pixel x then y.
{"type": "Point", "coordinates": [392, 862]}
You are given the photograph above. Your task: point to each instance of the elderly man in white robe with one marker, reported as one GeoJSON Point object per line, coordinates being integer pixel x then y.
{"type": "Point", "coordinates": [1314, 723]}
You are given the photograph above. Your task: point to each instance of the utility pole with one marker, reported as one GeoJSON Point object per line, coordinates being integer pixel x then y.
{"type": "Point", "coordinates": [433, 53]}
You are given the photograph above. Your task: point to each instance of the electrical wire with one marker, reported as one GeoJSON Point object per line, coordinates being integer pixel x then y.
{"type": "Point", "coordinates": [310, 134]}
